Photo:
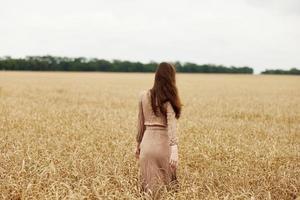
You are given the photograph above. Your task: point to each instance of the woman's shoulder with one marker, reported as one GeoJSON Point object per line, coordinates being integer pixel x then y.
{"type": "Point", "coordinates": [143, 93]}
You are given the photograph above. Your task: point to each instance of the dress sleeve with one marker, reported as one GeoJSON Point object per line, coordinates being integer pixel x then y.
{"type": "Point", "coordinates": [141, 120]}
{"type": "Point", "coordinates": [171, 123]}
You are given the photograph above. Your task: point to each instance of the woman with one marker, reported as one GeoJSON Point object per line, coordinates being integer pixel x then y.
{"type": "Point", "coordinates": [157, 141]}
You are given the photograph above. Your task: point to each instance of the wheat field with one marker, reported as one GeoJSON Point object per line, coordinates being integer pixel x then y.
{"type": "Point", "coordinates": [72, 136]}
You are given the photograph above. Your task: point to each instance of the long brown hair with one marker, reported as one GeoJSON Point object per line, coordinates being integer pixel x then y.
{"type": "Point", "coordinates": [164, 89]}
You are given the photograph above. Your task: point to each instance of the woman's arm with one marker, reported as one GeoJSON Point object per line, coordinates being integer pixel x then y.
{"type": "Point", "coordinates": [140, 125]}
{"type": "Point", "coordinates": [171, 122]}
{"type": "Point", "coordinates": [173, 140]}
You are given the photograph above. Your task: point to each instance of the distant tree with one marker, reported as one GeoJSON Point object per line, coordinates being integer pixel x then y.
{"type": "Point", "coordinates": [55, 63]}
{"type": "Point", "coordinates": [292, 71]}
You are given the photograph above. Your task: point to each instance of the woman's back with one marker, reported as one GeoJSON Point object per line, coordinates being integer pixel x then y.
{"type": "Point", "coordinates": [149, 117]}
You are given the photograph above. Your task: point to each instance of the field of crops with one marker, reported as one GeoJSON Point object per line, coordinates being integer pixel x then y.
{"type": "Point", "coordinates": [72, 135]}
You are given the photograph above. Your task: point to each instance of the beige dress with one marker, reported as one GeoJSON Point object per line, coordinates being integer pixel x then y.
{"type": "Point", "coordinates": [155, 134]}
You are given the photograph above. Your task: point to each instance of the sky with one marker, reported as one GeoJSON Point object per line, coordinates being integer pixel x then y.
{"type": "Point", "coordinates": [262, 34]}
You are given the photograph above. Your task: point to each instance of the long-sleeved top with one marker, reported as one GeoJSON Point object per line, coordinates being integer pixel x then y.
{"type": "Point", "coordinates": [146, 117]}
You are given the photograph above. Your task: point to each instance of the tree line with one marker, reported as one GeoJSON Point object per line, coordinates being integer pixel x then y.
{"type": "Point", "coordinates": [53, 63]}
{"type": "Point", "coordinates": [292, 71]}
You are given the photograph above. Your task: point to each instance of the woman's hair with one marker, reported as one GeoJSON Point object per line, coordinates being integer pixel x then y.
{"type": "Point", "coordinates": [164, 89]}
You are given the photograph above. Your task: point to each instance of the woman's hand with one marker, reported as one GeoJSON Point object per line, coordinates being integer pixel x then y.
{"type": "Point", "coordinates": [137, 151]}
{"type": "Point", "coordinates": [174, 157]}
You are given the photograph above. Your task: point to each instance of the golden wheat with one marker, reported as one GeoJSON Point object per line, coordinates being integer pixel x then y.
{"type": "Point", "coordinates": [71, 136]}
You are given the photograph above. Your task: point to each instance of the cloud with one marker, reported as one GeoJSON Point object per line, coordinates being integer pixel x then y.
{"type": "Point", "coordinates": [261, 34]}
{"type": "Point", "coordinates": [285, 7]}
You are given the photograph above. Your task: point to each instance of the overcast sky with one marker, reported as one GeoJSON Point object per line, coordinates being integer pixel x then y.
{"type": "Point", "coordinates": [257, 33]}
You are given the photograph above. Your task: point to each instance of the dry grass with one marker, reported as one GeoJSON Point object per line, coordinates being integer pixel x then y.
{"type": "Point", "coordinates": [71, 135]}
